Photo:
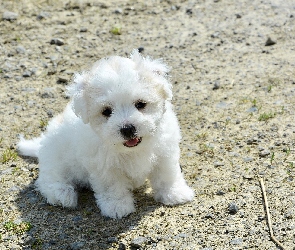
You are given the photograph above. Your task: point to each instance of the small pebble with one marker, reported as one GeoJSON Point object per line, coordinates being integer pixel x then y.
{"type": "Point", "coordinates": [218, 164]}
{"type": "Point", "coordinates": [140, 49]}
{"type": "Point", "coordinates": [62, 80]}
{"type": "Point", "coordinates": [264, 153]}
{"type": "Point", "coordinates": [77, 245]}
{"type": "Point", "coordinates": [248, 159]}
{"type": "Point", "coordinates": [27, 74]}
{"type": "Point", "coordinates": [138, 242]}
{"type": "Point", "coordinates": [252, 110]}
{"type": "Point", "coordinates": [252, 141]}
{"type": "Point", "coordinates": [43, 15]}
{"type": "Point", "coordinates": [122, 246]}
{"type": "Point", "coordinates": [9, 16]}
{"type": "Point", "coordinates": [112, 240]}
{"type": "Point", "coordinates": [57, 41]}
{"type": "Point", "coordinates": [216, 85]}
{"type": "Point", "coordinates": [269, 42]}
{"type": "Point", "coordinates": [20, 49]}
{"type": "Point", "coordinates": [48, 93]}
{"type": "Point", "coordinates": [237, 241]}
{"type": "Point", "coordinates": [83, 29]}
{"type": "Point", "coordinates": [233, 208]}
{"type": "Point", "coordinates": [220, 192]}
{"type": "Point", "coordinates": [209, 216]}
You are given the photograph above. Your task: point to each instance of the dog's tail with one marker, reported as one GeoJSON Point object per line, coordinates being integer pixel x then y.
{"type": "Point", "coordinates": [29, 147]}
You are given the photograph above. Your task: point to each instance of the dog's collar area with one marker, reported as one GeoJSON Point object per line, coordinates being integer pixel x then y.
{"type": "Point", "coordinates": [132, 142]}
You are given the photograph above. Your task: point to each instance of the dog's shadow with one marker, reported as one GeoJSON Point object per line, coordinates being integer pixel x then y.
{"type": "Point", "coordinates": [54, 227]}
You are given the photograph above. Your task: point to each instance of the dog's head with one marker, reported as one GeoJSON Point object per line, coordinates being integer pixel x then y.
{"type": "Point", "coordinates": [123, 99]}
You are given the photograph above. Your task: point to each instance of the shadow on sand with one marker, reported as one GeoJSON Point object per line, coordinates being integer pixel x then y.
{"type": "Point", "coordinates": [54, 227]}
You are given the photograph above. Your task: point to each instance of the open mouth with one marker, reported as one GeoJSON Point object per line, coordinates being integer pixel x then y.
{"type": "Point", "coordinates": [132, 142]}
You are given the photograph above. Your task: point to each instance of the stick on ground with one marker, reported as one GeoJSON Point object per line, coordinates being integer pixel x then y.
{"type": "Point", "coordinates": [272, 237]}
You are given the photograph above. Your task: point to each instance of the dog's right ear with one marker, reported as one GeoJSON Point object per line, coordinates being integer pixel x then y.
{"type": "Point", "coordinates": [77, 92]}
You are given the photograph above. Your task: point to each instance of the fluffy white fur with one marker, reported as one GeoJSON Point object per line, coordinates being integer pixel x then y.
{"type": "Point", "coordinates": [86, 145]}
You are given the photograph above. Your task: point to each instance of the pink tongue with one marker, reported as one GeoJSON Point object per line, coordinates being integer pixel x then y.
{"type": "Point", "coordinates": [132, 142]}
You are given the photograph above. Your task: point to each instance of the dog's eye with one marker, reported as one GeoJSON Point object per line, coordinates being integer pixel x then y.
{"type": "Point", "coordinates": [107, 111]}
{"type": "Point", "coordinates": [140, 105]}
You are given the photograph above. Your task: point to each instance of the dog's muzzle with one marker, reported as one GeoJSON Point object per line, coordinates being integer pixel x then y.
{"type": "Point", "coordinates": [129, 133]}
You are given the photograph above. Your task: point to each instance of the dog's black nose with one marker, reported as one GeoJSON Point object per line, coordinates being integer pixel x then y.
{"type": "Point", "coordinates": [128, 131]}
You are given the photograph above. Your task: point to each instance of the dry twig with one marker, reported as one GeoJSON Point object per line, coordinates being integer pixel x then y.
{"type": "Point", "coordinates": [272, 237]}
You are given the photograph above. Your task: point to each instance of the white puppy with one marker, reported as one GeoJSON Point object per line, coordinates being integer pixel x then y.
{"type": "Point", "coordinates": [118, 130]}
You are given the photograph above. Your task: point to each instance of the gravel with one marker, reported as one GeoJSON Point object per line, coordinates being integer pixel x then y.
{"type": "Point", "coordinates": [9, 16]}
{"type": "Point", "coordinates": [232, 68]}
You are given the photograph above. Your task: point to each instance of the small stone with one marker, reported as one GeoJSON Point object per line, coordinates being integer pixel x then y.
{"type": "Point", "coordinates": [118, 11]}
{"type": "Point", "coordinates": [57, 41]}
{"type": "Point", "coordinates": [48, 93]}
{"type": "Point", "coordinates": [181, 235]}
{"type": "Point", "coordinates": [209, 216]}
{"type": "Point", "coordinates": [269, 42]}
{"type": "Point", "coordinates": [43, 15]}
{"type": "Point", "coordinates": [215, 35]}
{"type": "Point", "coordinates": [189, 11]}
{"type": "Point", "coordinates": [13, 189]}
{"type": "Point", "coordinates": [216, 85]}
{"type": "Point", "coordinates": [62, 80]}
{"type": "Point", "coordinates": [248, 176]}
{"type": "Point", "coordinates": [77, 245]}
{"type": "Point", "coordinates": [27, 73]}
{"type": "Point", "coordinates": [29, 90]}
{"type": "Point", "coordinates": [252, 141]}
{"type": "Point", "coordinates": [122, 246]}
{"type": "Point", "coordinates": [20, 49]}
{"type": "Point", "coordinates": [264, 153]}
{"type": "Point", "coordinates": [49, 113]}
{"type": "Point", "coordinates": [140, 49]}
{"type": "Point", "coordinates": [233, 208]}
{"type": "Point", "coordinates": [138, 242]}
{"type": "Point", "coordinates": [220, 192]}
{"type": "Point", "coordinates": [289, 215]}
{"type": "Point", "coordinates": [218, 164]}
{"type": "Point", "coordinates": [9, 16]}
{"type": "Point", "coordinates": [77, 218]}
{"type": "Point", "coordinates": [248, 159]}
{"type": "Point", "coordinates": [112, 240]}
{"type": "Point", "coordinates": [237, 241]}
{"type": "Point", "coordinates": [261, 135]}
{"type": "Point", "coordinates": [252, 109]}
{"type": "Point", "coordinates": [83, 29]}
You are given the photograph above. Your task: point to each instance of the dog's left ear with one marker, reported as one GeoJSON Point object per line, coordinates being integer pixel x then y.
{"type": "Point", "coordinates": [158, 68]}
{"type": "Point", "coordinates": [76, 92]}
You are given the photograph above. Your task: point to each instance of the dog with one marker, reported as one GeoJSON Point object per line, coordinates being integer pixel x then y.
{"type": "Point", "coordinates": [118, 130]}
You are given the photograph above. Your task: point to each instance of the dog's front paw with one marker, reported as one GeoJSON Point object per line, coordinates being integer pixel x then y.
{"type": "Point", "coordinates": [115, 209]}
{"type": "Point", "coordinates": [176, 194]}
{"type": "Point", "coordinates": [60, 194]}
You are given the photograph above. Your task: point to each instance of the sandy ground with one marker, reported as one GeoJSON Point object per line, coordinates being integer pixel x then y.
{"type": "Point", "coordinates": [233, 73]}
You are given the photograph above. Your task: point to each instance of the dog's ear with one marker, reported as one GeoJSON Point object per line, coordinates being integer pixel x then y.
{"type": "Point", "coordinates": [77, 92]}
{"type": "Point", "coordinates": [158, 68]}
